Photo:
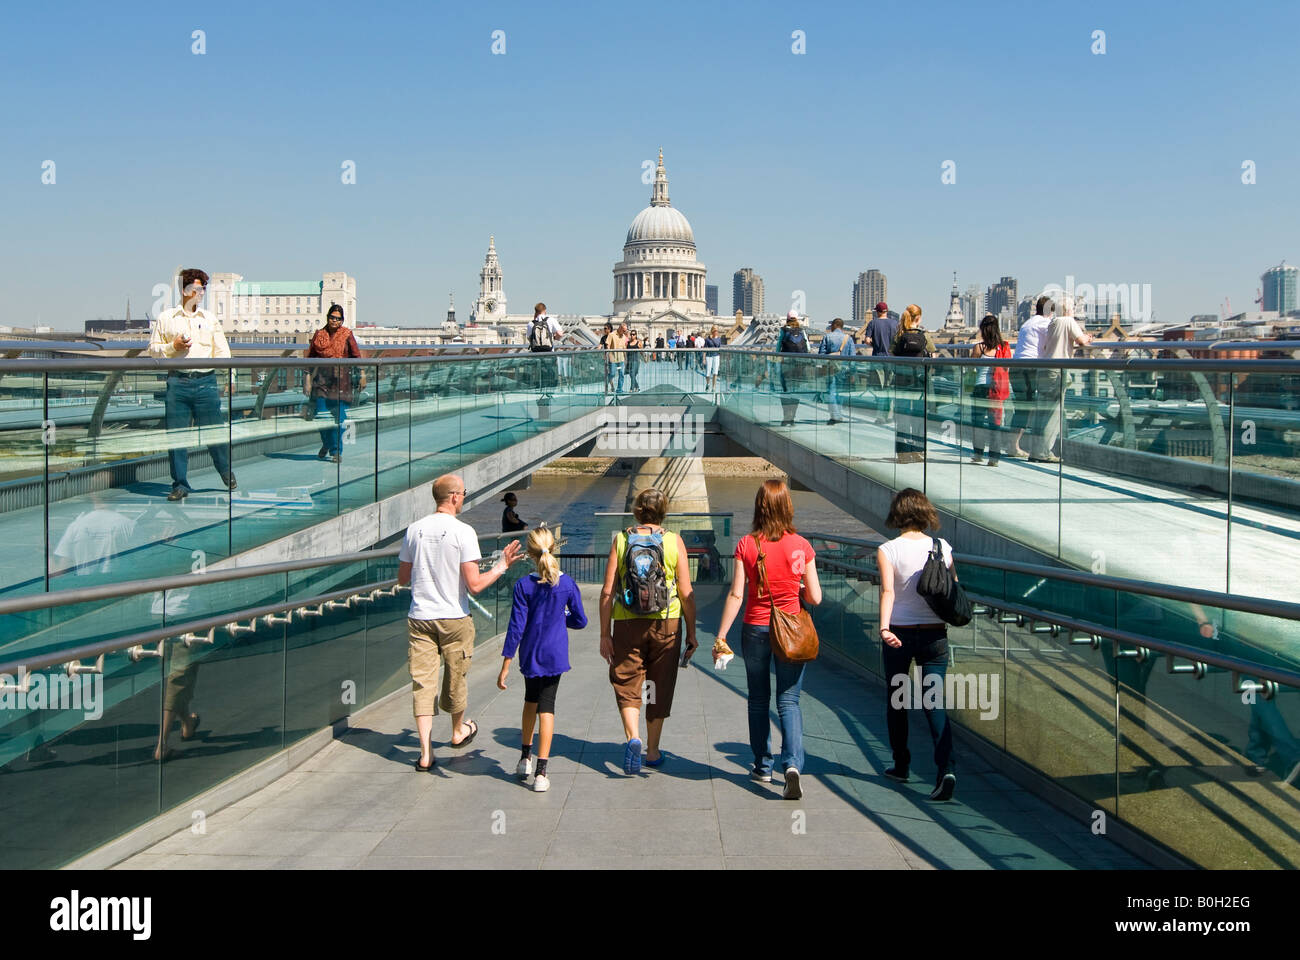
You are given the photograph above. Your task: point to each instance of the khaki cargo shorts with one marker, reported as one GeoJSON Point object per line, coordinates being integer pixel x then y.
{"type": "Point", "coordinates": [446, 645]}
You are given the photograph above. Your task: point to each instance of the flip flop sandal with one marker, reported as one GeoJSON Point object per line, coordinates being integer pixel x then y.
{"type": "Point", "coordinates": [196, 719]}
{"type": "Point", "coordinates": [472, 734]}
{"type": "Point", "coordinates": [632, 756]}
{"type": "Point", "coordinates": [663, 755]}
{"type": "Point", "coordinates": [433, 762]}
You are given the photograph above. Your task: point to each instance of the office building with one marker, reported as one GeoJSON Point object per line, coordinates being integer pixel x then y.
{"type": "Point", "coordinates": [869, 289]}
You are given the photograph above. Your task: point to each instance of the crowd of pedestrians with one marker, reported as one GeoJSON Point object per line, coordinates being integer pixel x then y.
{"type": "Point", "coordinates": [648, 625]}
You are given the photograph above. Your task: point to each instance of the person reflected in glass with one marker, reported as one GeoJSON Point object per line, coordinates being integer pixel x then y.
{"type": "Point", "coordinates": [189, 332]}
{"type": "Point", "coordinates": [331, 388]}
{"type": "Point", "coordinates": [791, 577]}
{"type": "Point", "coordinates": [909, 380]}
{"type": "Point", "coordinates": [992, 387]}
{"type": "Point", "coordinates": [792, 339]}
{"type": "Point", "coordinates": [836, 343]}
{"type": "Point", "coordinates": [634, 347]}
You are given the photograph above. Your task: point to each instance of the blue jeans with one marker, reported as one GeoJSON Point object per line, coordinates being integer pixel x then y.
{"type": "Point", "coordinates": [199, 400]}
{"type": "Point", "coordinates": [757, 651]}
{"type": "Point", "coordinates": [331, 438]}
{"type": "Point", "coordinates": [833, 397]}
{"type": "Point", "coordinates": [620, 369]}
{"type": "Point", "coordinates": [928, 646]}
{"type": "Point", "coordinates": [1268, 730]}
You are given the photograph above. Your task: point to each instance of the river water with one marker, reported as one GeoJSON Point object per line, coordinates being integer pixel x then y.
{"type": "Point", "coordinates": [574, 501]}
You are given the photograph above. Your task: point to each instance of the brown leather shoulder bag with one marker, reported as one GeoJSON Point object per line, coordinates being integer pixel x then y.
{"type": "Point", "coordinates": [793, 636]}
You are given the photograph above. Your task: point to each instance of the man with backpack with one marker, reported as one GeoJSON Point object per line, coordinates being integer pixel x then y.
{"type": "Point", "coordinates": [836, 343]}
{"type": "Point", "coordinates": [792, 339]}
{"type": "Point", "coordinates": [543, 333]}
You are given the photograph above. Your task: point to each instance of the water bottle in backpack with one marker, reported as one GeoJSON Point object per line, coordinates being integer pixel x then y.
{"type": "Point", "coordinates": [645, 579]}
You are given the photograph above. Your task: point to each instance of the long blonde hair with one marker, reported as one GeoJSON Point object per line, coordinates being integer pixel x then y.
{"type": "Point", "coordinates": [911, 317]}
{"type": "Point", "coordinates": [540, 543]}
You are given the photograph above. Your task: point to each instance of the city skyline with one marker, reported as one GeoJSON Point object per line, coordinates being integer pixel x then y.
{"type": "Point", "coordinates": [812, 204]}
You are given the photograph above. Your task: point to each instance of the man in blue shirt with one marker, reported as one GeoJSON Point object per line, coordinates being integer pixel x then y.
{"type": "Point", "coordinates": [880, 334]}
{"type": "Point", "coordinates": [839, 344]}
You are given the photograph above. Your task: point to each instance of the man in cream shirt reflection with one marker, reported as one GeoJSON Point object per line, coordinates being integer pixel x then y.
{"type": "Point", "coordinates": [191, 333]}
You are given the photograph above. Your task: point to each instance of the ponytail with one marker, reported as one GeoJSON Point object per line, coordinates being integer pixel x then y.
{"type": "Point", "coordinates": [540, 543]}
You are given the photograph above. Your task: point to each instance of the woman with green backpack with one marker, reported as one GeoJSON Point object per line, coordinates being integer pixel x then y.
{"type": "Point", "coordinates": [646, 595]}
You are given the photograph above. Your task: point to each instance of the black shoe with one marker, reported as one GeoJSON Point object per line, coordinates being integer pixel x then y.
{"type": "Point", "coordinates": [323, 453]}
{"type": "Point", "coordinates": [230, 481]}
{"type": "Point", "coordinates": [178, 493]}
{"type": "Point", "coordinates": [893, 773]}
{"type": "Point", "coordinates": [944, 788]}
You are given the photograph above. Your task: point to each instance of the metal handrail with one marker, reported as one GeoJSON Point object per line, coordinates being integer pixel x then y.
{"type": "Point", "coordinates": [1208, 598]}
{"type": "Point", "coordinates": [1236, 665]}
{"type": "Point", "coordinates": [1081, 363]}
{"type": "Point", "coordinates": [1012, 612]}
{"type": "Point", "coordinates": [75, 595]}
{"type": "Point", "coordinates": [259, 363]}
{"type": "Point", "coordinates": [178, 630]}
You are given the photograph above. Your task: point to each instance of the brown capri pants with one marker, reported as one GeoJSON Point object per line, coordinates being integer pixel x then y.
{"type": "Point", "coordinates": [182, 676]}
{"type": "Point", "coordinates": [436, 644]}
{"type": "Point", "coordinates": [645, 650]}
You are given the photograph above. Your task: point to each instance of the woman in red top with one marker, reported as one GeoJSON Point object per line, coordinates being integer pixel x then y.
{"type": "Point", "coordinates": [791, 577]}
{"type": "Point", "coordinates": [330, 388]}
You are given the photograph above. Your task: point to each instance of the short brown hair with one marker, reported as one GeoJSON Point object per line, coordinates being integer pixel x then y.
{"type": "Point", "coordinates": [912, 510]}
{"type": "Point", "coordinates": [773, 511]}
{"type": "Point", "coordinates": [190, 274]}
{"type": "Point", "coordinates": [650, 506]}
{"type": "Point", "coordinates": [539, 308]}
{"type": "Point", "coordinates": [837, 323]}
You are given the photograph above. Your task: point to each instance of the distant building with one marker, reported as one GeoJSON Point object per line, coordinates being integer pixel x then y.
{"type": "Point", "coordinates": [747, 292]}
{"type": "Point", "coordinates": [1025, 310]}
{"type": "Point", "coordinates": [1000, 300]}
{"type": "Point", "coordinates": [1279, 288]}
{"type": "Point", "coordinates": [711, 299]}
{"type": "Point", "coordinates": [279, 306]}
{"type": "Point", "coordinates": [871, 288]}
{"type": "Point", "coordinates": [972, 305]}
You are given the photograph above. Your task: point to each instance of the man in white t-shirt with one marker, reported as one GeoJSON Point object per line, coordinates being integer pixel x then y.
{"type": "Point", "coordinates": [439, 559]}
{"type": "Point", "coordinates": [1024, 382]}
{"type": "Point", "coordinates": [1058, 342]}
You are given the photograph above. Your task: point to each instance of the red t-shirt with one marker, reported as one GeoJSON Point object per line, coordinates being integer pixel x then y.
{"type": "Point", "coordinates": [785, 561]}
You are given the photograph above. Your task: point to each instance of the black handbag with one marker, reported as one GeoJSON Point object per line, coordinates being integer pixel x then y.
{"type": "Point", "coordinates": [941, 591]}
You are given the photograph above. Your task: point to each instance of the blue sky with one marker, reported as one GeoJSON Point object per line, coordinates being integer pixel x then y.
{"type": "Point", "coordinates": [1119, 168]}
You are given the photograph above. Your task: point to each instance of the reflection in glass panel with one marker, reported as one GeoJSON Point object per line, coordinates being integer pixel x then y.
{"type": "Point", "coordinates": [1264, 437]}
{"type": "Point", "coordinates": [223, 689]}
{"type": "Point", "coordinates": [1205, 773]}
{"type": "Point", "coordinates": [77, 761]}
{"type": "Point", "coordinates": [1143, 453]}
{"type": "Point", "coordinates": [1059, 705]}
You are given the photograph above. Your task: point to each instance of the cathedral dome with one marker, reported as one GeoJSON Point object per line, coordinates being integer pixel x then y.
{"type": "Point", "coordinates": [660, 223]}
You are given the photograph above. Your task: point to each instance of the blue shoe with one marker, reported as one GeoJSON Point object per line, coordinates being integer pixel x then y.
{"type": "Point", "coordinates": [663, 755]}
{"type": "Point", "coordinates": [632, 756]}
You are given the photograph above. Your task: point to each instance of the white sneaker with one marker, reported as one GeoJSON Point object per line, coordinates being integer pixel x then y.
{"type": "Point", "coordinates": [525, 769]}
{"type": "Point", "coordinates": [541, 783]}
{"type": "Point", "coordinates": [792, 789]}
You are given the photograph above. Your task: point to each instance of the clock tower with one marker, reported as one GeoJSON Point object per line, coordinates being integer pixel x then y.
{"type": "Point", "coordinates": [490, 307]}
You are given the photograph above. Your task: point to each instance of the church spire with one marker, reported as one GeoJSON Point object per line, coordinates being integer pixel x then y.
{"type": "Point", "coordinates": [659, 197]}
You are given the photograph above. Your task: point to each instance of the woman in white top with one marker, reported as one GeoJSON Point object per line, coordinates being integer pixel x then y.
{"type": "Point", "coordinates": [910, 630]}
